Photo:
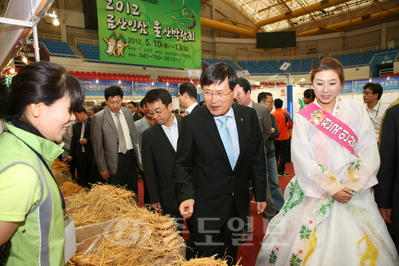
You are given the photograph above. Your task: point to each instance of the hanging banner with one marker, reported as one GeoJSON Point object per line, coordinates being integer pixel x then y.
{"type": "Point", "coordinates": [94, 88]}
{"type": "Point", "coordinates": [387, 84]}
{"type": "Point", "coordinates": [347, 87]}
{"type": "Point", "coordinates": [150, 32]}
{"type": "Point", "coordinates": [141, 88]}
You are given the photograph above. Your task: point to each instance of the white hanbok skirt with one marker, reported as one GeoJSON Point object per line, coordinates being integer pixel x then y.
{"type": "Point", "coordinates": [315, 232]}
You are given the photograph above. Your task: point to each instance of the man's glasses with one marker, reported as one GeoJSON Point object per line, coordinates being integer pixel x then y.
{"type": "Point", "coordinates": [156, 112]}
{"type": "Point", "coordinates": [367, 92]}
{"type": "Point", "coordinates": [218, 94]}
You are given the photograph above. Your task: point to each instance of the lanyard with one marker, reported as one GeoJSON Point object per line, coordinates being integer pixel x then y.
{"type": "Point", "coordinates": [45, 164]}
{"type": "Point", "coordinates": [375, 117]}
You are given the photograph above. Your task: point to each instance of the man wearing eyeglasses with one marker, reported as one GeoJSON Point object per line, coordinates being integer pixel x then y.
{"type": "Point", "coordinates": [114, 141]}
{"type": "Point", "coordinates": [220, 149]}
{"type": "Point", "coordinates": [159, 143]}
{"type": "Point", "coordinates": [372, 93]}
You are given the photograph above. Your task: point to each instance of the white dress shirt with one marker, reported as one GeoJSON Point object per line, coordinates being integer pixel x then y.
{"type": "Point", "coordinates": [375, 115]}
{"type": "Point", "coordinates": [125, 127]}
{"type": "Point", "coordinates": [172, 133]}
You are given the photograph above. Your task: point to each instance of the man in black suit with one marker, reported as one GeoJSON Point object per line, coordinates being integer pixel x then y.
{"type": "Point", "coordinates": [220, 149]}
{"type": "Point", "coordinates": [81, 149]}
{"type": "Point", "coordinates": [187, 94]}
{"type": "Point", "coordinates": [387, 190]}
{"type": "Point", "coordinates": [133, 107]}
{"type": "Point", "coordinates": [159, 144]}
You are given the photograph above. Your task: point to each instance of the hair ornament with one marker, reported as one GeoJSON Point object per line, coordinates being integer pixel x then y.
{"type": "Point", "coordinates": [9, 80]}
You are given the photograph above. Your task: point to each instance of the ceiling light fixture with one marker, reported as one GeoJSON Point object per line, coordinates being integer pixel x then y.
{"type": "Point", "coordinates": [54, 16]}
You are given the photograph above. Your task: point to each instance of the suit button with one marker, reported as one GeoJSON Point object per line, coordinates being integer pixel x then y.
{"type": "Point", "coordinates": [231, 194]}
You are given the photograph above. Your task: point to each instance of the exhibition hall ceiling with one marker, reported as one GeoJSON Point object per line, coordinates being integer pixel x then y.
{"type": "Point", "coordinates": [311, 17]}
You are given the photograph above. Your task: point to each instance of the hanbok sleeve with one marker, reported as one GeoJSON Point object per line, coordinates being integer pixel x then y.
{"type": "Point", "coordinates": [313, 178]}
{"type": "Point", "coordinates": [362, 173]}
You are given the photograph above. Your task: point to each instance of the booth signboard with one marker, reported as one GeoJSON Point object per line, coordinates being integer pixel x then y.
{"type": "Point", "coordinates": [96, 87]}
{"type": "Point", "coordinates": [156, 33]}
{"type": "Point", "coordinates": [141, 88]}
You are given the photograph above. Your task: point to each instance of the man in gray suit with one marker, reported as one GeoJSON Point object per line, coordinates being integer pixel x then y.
{"type": "Point", "coordinates": [244, 98]}
{"type": "Point", "coordinates": [114, 141]}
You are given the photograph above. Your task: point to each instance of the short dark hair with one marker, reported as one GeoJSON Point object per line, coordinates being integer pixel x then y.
{"type": "Point", "coordinates": [375, 87]}
{"type": "Point", "coordinates": [142, 102]}
{"type": "Point", "coordinates": [217, 73]}
{"type": "Point", "coordinates": [244, 83]}
{"type": "Point", "coordinates": [263, 96]}
{"type": "Point", "coordinates": [158, 94]}
{"type": "Point", "coordinates": [80, 109]}
{"type": "Point", "coordinates": [97, 108]}
{"type": "Point", "coordinates": [134, 103]}
{"type": "Point", "coordinates": [189, 88]}
{"type": "Point", "coordinates": [278, 103]}
{"type": "Point", "coordinates": [38, 82]}
{"type": "Point", "coordinates": [103, 104]}
{"type": "Point", "coordinates": [112, 92]}
{"type": "Point", "coordinates": [309, 93]}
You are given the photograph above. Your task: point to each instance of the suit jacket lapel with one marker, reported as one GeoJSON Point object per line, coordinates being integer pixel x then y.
{"type": "Point", "coordinates": [130, 123]}
{"type": "Point", "coordinates": [160, 134]}
{"type": "Point", "coordinates": [78, 129]}
{"type": "Point", "coordinates": [87, 127]}
{"type": "Point", "coordinates": [240, 128]}
{"type": "Point", "coordinates": [110, 120]}
{"type": "Point", "coordinates": [210, 125]}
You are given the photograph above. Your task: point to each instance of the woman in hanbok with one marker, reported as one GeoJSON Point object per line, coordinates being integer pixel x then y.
{"type": "Point", "coordinates": [330, 216]}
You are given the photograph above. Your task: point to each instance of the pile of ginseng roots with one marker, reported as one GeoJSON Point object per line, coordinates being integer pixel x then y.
{"type": "Point", "coordinates": [134, 235]}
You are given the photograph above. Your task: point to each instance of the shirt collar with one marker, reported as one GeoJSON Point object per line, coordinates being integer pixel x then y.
{"type": "Point", "coordinates": [190, 109]}
{"type": "Point", "coordinates": [112, 113]}
{"type": "Point", "coordinates": [375, 108]}
{"type": "Point", "coordinates": [173, 125]}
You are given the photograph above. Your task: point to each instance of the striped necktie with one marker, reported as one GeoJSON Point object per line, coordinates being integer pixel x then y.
{"type": "Point", "coordinates": [121, 136]}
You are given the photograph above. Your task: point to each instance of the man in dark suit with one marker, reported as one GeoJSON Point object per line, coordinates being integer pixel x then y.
{"type": "Point", "coordinates": [220, 149]}
{"type": "Point", "coordinates": [115, 141]}
{"type": "Point", "coordinates": [187, 94]}
{"type": "Point", "coordinates": [81, 148]}
{"type": "Point", "coordinates": [263, 112]}
{"type": "Point", "coordinates": [134, 108]}
{"type": "Point", "coordinates": [159, 144]}
{"type": "Point", "coordinates": [387, 190]}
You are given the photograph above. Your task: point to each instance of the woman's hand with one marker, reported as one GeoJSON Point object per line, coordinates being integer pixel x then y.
{"type": "Point", "coordinates": [343, 196]}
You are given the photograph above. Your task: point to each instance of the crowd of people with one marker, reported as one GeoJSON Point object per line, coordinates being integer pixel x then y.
{"type": "Point", "coordinates": [205, 168]}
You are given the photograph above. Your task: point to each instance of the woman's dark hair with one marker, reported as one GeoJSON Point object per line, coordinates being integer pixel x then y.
{"type": "Point", "coordinates": [217, 74]}
{"type": "Point", "coordinates": [38, 82]}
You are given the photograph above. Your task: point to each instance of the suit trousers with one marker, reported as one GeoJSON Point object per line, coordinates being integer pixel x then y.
{"type": "Point", "coordinates": [282, 149]}
{"type": "Point", "coordinates": [85, 171]}
{"type": "Point", "coordinates": [127, 172]}
{"type": "Point", "coordinates": [223, 242]}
